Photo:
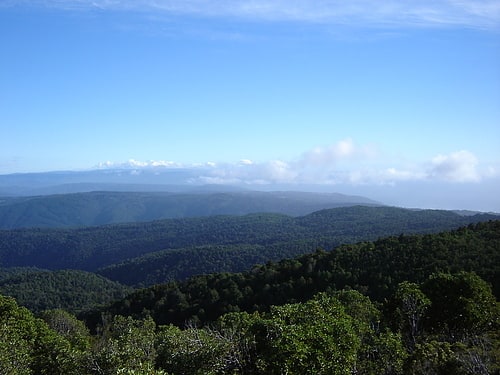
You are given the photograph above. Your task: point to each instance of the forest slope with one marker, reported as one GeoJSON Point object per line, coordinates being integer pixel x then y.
{"type": "Point", "coordinates": [374, 268]}
{"type": "Point", "coordinates": [76, 291]}
{"type": "Point", "coordinates": [283, 236]}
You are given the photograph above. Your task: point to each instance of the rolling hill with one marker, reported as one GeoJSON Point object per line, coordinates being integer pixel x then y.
{"type": "Point", "coordinates": [152, 252]}
{"type": "Point", "coordinates": [100, 208]}
{"type": "Point", "coordinates": [72, 290]}
{"type": "Point", "coordinates": [374, 268]}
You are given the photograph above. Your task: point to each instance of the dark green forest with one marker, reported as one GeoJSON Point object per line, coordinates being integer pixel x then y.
{"type": "Point", "coordinates": [279, 237]}
{"type": "Point", "coordinates": [416, 300]}
{"type": "Point", "coordinates": [145, 254]}
{"type": "Point", "coordinates": [74, 290]}
{"type": "Point", "coordinates": [440, 323]}
{"type": "Point", "coordinates": [373, 268]}
{"type": "Point", "coordinates": [260, 237]}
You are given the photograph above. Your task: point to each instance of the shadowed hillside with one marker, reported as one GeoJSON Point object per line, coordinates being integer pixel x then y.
{"type": "Point", "coordinates": [210, 244]}
{"type": "Point", "coordinates": [374, 268]}
{"type": "Point", "coordinates": [100, 208]}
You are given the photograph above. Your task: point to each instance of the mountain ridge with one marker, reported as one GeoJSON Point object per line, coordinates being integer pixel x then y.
{"type": "Point", "coordinates": [103, 207]}
{"type": "Point", "coordinates": [372, 267]}
{"type": "Point", "coordinates": [239, 241]}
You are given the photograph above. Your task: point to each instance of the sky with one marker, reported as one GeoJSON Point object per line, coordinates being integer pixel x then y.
{"type": "Point", "coordinates": [395, 99]}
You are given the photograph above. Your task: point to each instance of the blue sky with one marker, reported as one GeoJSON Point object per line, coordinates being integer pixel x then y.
{"type": "Point", "coordinates": [354, 94]}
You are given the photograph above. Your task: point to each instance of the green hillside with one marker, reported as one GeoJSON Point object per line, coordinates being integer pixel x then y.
{"type": "Point", "coordinates": [448, 324]}
{"type": "Point", "coordinates": [74, 291]}
{"type": "Point", "coordinates": [423, 310]}
{"type": "Point", "coordinates": [374, 268]}
{"type": "Point", "coordinates": [92, 248]}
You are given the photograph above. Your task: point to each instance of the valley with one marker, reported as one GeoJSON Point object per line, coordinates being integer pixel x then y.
{"type": "Point", "coordinates": [247, 292]}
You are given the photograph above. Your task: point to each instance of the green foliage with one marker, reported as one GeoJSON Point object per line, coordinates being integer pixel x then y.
{"type": "Point", "coordinates": [193, 351]}
{"type": "Point", "coordinates": [342, 333]}
{"type": "Point", "coordinates": [315, 337]}
{"type": "Point", "coordinates": [52, 353]}
{"type": "Point", "coordinates": [461, 324]}
{"type": "Point", "coordinates": [461, 304]}
{"type": "Point", "coordinates": [361, 308]}
{"type": "Point", "coordinates": [69, 289]}
{"type": "Point", "coordinates": [127, 346]}
{"type": "Point", "coordinates": [381, 353]}
{"type": "Point", "coordinates": [373, 268]}
{"type": "Point", "coordinates": [411, 306]}
{"type": "Point", "coordinates": [15, 356]}
{"type": "Point", "coordinates": [29, 346]}
{"type": "Point", "coordinates": [399, 305]}
{"type": "Point", "coordinates": [433, 357]}
{"type": "Point", "coordinates": [16, 338]}
{"type": "Point", "coordinates": [69, 327]}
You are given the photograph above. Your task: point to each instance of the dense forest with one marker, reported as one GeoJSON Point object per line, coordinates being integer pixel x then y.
{"type": "Point", "coordinates": [74, 290]}
{"type": "Point", "coordinates": [373, 268]}
{"type": "Point", "coordinates": [415, 319]}
{"type": "Point", "coordinates": [260, 237]}
{"type": "Point", "coordinates": [412, 302]}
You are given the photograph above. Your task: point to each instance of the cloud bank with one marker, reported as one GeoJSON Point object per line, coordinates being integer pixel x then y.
{"type": "Point", "coordinates": [459, 166]}
{"type": "Point", "coordinates": [475, 14]}
{"type": "Point", "coordinates": [341, 163]}
{"type": "Point", "coordinates": [132, 163]}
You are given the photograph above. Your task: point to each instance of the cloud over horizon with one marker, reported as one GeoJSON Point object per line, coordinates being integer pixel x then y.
{"type": "Point", "coordinates": [460, 166]}
{"type": "Point", "coordinates": [343, 162]}
{"type": "Point", "coordinates": [420, 13]}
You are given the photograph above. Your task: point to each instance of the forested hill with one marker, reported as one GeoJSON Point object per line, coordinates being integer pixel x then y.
{"type": "Point", "coordinates": [323, 229]}
{"type": "Point", "coordinates": [94, 247]}
{"type": "Point", "coordinates": [100, 208]}
{"type": "Point", "coordinates": [74, 290]}
{"type": "Point", "coordinates": [375, 268]}
{"type": "Point", "coordinates": [447, 324]}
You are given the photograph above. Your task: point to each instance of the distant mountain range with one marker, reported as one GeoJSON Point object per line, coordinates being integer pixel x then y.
{"type": "Point", "coordinates": [120, 179]}
{"type": "Point", "coordinates": [141, 177]}
{"type": "Point", "coordinates": [127, 194]}
{"type": "Point", "coordinates": [99, 208]}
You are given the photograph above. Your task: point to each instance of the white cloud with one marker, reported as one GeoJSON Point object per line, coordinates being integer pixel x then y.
{"type": "Point", "coordinates": [246, 162]}
{"type": "Point", "coordinates": [469, 13]}
{"type": "Point", "coordinates": [345, 162]}
{"type": "Point", "coordinates": [459, 166]}
{"type": "Point", "coordinates": [396, 174]}
{"type": "Point", "coordinates": [132, 163]}
{"type": "Point", "coordinates": [248, 172]}
{"type": "Point", "coordinates": [341, 163]}
{"type": "Point", "coordinates": [384, 176]}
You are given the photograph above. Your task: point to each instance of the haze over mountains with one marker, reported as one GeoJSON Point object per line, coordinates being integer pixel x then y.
{"type": "Point", "coordinates": [99, 208]}
{"type": "Point", "coordinates": [106, 196]}
{"type": "Point", "coordinates": [120, 179]}
{"type": "Point", "coordinates": [135, 177]}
